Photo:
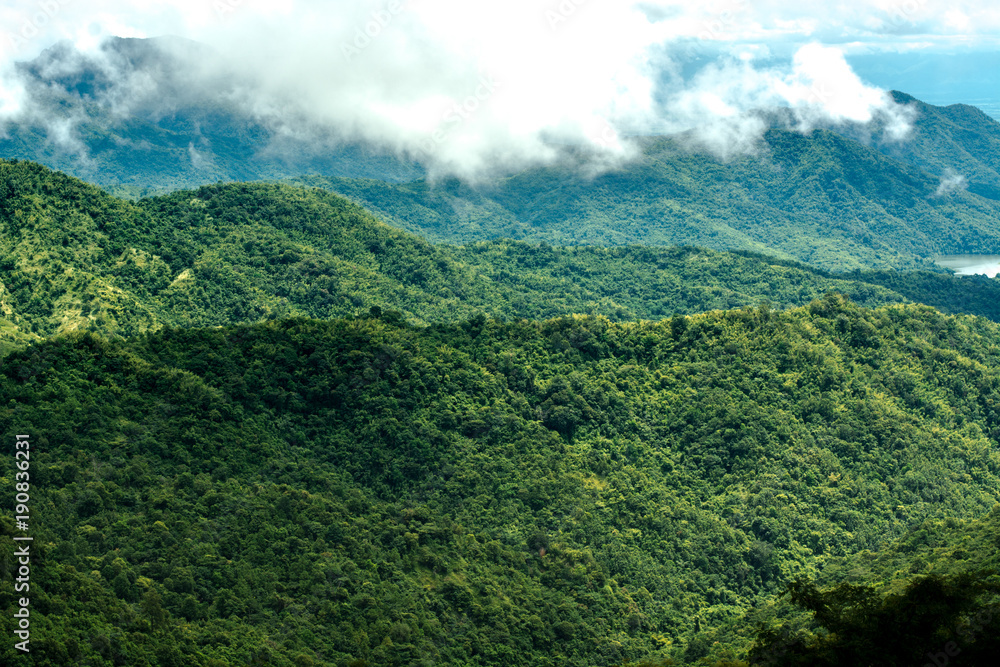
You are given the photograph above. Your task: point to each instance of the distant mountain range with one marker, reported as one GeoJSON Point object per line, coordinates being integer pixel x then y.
{"type": "Point", "coordinates": [822, 198]}
{"type": "Point", "coordinates": [937, 78]}
{"type": "Point", "coordinates": [267, 427]}
{"type": "Point", "coordinates": [134, 118]}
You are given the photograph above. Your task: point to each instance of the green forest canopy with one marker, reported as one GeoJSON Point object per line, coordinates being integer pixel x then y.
{"type": "Point", "coordinates": [574, 491]}
{"type": "Point", "coordinates": [72, 257]}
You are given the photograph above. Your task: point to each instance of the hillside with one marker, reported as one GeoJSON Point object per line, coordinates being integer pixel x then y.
{"type": "Point", "coordinates": [73, 257]}
{"type": "Point", "coordinates": [822, 199]}
{"type": "Point", "coordinates": [350, 337]}
{"type": "Point", "coordinates": [936, 586]}
{"type": "Point", "coordinates": [565, 492]}
{"type": "Point", "coordinates": [957, 140]}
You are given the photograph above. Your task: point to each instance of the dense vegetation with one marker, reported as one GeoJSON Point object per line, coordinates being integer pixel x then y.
{"type": "Point", "coordinates": [576, 491]}
{"type": "Point", "coordinates": [933, 619]}
{"type": "Point", "coordinates": [949, 294]}
{"type": "Point", "coordinates": [928, 597]}
{"type": "Point", "coordinates": [271, 429]}
{"type": "Point", "coordinates": [73, 257]}
{"type": "Point", "coordinates": [957, 140]}
{"type": "Point", "coordinates": [821, 198]}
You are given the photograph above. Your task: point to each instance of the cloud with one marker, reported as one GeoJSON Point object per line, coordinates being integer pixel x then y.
{"type": "Point", "coordinates": [951, 181]}
{"type": "Point", "coordinates": [12, 98]}
{"type": "Point", "coordinates": [725, 104]}
{"type": "Point", "coordinates": [197, 159]}
{"type": "Point", "coordinates": [472, 88]}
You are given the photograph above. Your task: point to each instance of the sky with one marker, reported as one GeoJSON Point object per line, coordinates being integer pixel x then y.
{"type": "Point", "coordinates": [470, 87]}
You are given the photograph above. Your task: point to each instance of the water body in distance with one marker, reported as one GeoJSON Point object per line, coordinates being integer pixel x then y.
{"type": "Point", "coordinates": [970, 265]}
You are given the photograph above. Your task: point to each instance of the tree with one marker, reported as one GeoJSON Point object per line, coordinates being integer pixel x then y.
{"type": "Point", "coordinates": [934, 616]}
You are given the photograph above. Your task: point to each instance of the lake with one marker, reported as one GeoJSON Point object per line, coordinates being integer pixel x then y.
{"type": "Point", "coordinates": [969, 265]}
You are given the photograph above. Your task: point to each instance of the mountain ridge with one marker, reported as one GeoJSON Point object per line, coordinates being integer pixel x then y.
{"type": "Point", "coordinates": [146, 116]}
{"type": "Point", "coordinates": [822, 199]}
{"type": "Point", "coordinates": [291, 424]}
{"type": "Point", "coordinates": [73, 256]}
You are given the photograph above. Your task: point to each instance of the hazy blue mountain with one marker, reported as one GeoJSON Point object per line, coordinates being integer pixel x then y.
{"type": "Point", "coordinates": [135, 117]}
{"type": "Point", "coordinates": [937, 78]}
{"type": "Point", "coordinates": [959, 143]}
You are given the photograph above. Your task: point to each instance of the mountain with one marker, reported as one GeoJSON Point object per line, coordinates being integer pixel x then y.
{"type": "Point", "coordinates": [268, 428]}
{"type": "Point", "coordinates": [839, 198]}
{"type": "Point", "coordinates": [143, 117]}
{"type": "Point", "coordinates": [820, 198]}
{"type": "Point", "coordinates": [930, 595]}
{"type": "Point", "coordinates": [959, 143]}
{"type": "Point", "coordinates": [221, 479]}
{"type": "Point", "coordinates": [151, 115]}
{"type": "Point", "coordinates": [561, 492]}
{"type": "Point", "coordinates": [73, 257]}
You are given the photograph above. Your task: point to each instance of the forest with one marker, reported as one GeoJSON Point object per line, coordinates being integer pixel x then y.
{"type": "Point", "coordinates": [820, 198]}
{"type": "Point", "coordinates": [842, 196]}
{"type": "Point", "coordinates": [362, 490]}
{"type": "Point", "coordinates": [268, 428]}
{"type": "Point", "coordinates": [73, 257]}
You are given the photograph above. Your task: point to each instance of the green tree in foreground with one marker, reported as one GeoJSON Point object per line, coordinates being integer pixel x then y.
{"type": "Point", "coordinates": [937, 620]}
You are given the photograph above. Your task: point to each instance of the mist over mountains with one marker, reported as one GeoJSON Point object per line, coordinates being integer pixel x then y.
{"type": "Point", "coordinates": [207, 115]}
{"type": "Point", "coordinates": [147, 116]}
{"type": "Point", "coordinates": [166, 113]}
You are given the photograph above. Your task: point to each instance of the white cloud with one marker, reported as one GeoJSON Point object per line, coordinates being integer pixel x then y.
{"type": "Point", "coordinates": [951, 181]}
{"type": "Point", "coordinates": [11, 97]}
{"type": "Point", "coordinates": [197, 159]}
{"type": "Point", "coordinates": [818, 89]}
{"type": "Point", "coordinates": [409, 74]}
